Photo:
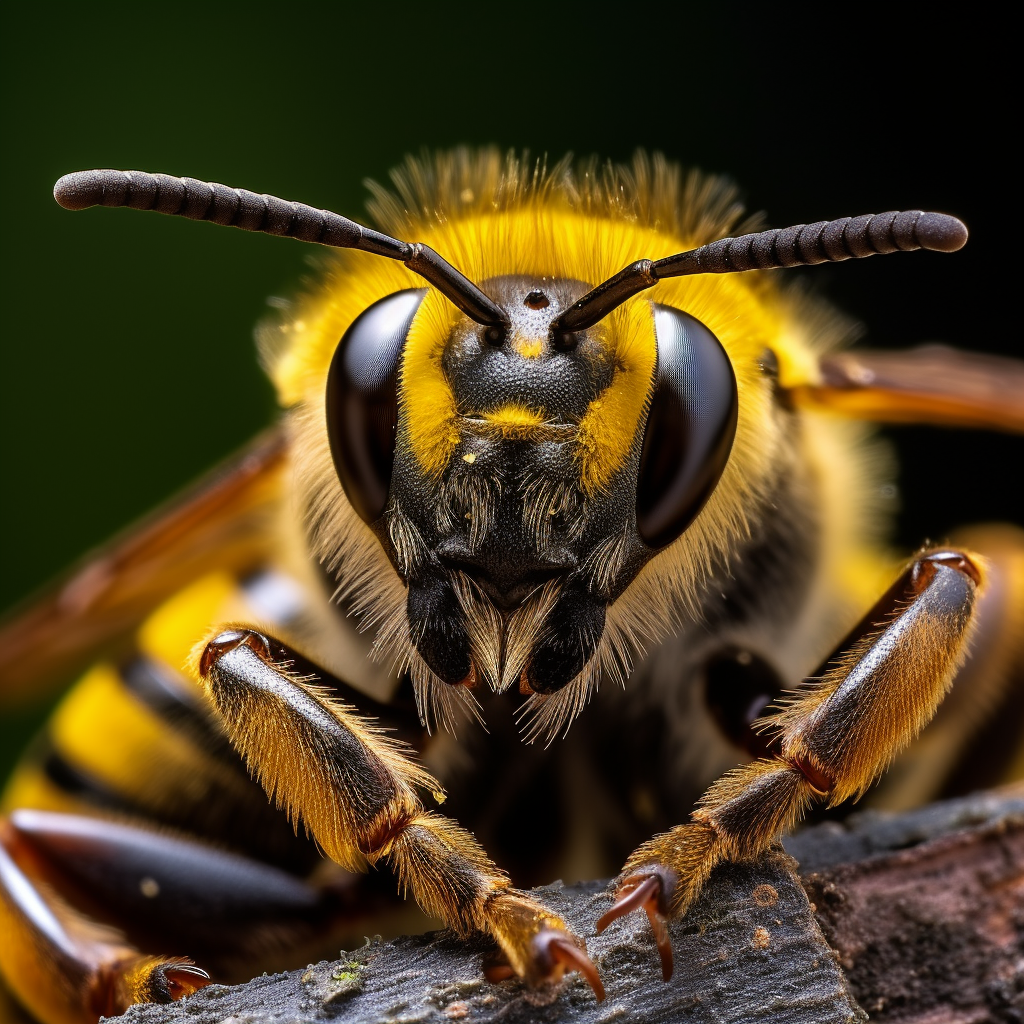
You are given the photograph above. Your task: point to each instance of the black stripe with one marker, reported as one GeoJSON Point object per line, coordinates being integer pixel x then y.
{"type": "Point", "coordinates": [250, 825]}
{"type": "Point", "coordinates": [155, 687]}
{"type": "Point", "coordinates": [75, 782]}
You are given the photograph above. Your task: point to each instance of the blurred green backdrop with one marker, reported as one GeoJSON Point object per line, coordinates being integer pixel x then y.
{"type": "Point", "coordinates": [127, 357]}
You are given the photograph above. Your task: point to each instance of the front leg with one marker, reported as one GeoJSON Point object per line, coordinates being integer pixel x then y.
{"type": "Point", "coordinates": [832, 740]}
{"type": "Point", "coordinates": [355, 790]}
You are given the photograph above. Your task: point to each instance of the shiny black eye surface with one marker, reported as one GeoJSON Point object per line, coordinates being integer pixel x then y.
{"type": "Point", "coordinates": [362, 400]}
{"type": "Point", "coordinates": [690, 426]}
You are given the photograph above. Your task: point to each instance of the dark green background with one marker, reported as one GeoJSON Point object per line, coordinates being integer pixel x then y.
{"type": "Point", "coordinates": [127, 355]}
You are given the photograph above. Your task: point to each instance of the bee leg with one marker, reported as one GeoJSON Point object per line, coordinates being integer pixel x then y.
{"type": "Point", "coordinates": [976, 740]}
{"type": "Point", "coordinates": [832, 740]}
{"type": "Point", "coordinates": [64, 967]}
{"type": "Point", "coordinates": [355, 790]}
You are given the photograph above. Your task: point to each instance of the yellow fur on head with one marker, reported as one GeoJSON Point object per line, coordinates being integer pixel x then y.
{"type": "Point", "coordinates": [491, 216]}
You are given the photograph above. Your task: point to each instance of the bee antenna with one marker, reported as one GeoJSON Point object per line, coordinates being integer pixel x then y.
{"type": "Point", "coordinates": [239, 208]}
{"type": "Point", "coordinates": [826, 241]}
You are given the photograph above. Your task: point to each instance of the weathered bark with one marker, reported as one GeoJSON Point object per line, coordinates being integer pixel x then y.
{"type": "Point", "coordinates": [925, 911]}
{"type": "Point", "coordinates": [750, 950]}
{"type": "Point", "coordinates": [933, 932]}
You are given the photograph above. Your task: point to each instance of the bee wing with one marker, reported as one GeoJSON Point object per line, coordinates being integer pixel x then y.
{"type": "Point", "coordinates": [220, 522]}
{"type": "Point", "coordinates": [930, 384]}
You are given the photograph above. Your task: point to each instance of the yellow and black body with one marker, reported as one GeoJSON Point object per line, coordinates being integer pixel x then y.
{"type": "Point", "coordinates": [521, 479]}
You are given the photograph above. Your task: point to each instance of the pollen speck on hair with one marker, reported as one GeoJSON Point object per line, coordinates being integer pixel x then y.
{"type": "Point", "coordinates": [530, 348]}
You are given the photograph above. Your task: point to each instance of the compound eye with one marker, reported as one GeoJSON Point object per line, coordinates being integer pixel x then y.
{"type": "Point", "coordinates": [690, 427]}
{"type": "Point", "coordinates": [362, 400]}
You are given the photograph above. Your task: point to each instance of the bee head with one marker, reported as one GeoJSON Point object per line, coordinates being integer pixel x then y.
{"type": "Point", "coordinates": [519, 476]}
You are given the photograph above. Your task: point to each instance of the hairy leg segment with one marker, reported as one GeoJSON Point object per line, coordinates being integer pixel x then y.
{"type": "Point", "coordinates": [831, 739]}
{"type": "Point", "coordinates": [355, 789]}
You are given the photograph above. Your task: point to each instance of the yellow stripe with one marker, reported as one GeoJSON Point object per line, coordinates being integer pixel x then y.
{"type": "Point", "coordinates": [169, 634]}
{"type": "Point", "coordinates": [514, 420]}
{"type": "Point", "coordinates": [28, 786]}
{"type": "Point", "coordinates": [102, 730]}
{"type": "Point", "coordinates": [425, 392]}
{"type": "Point", "coordinates": [610, 425]}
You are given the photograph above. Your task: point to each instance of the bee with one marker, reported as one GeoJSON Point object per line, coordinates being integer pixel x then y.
{"type": "Point", "coordinates": [574, 435]}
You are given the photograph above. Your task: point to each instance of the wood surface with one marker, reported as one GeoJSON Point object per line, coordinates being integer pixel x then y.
{"type": "Point", "coordinates": [917, 917]}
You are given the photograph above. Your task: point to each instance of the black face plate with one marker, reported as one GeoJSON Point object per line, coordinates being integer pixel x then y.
{"type": "Point", "coordinates": [508, 512]}
{"type": "Point", "coordinates": [487, 371]}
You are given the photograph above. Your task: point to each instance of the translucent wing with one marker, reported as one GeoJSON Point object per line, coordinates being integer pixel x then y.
{"type": "Point", "coordinates": [220, 522]}
{"type": "Point", "coordinates": [930, 384]}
